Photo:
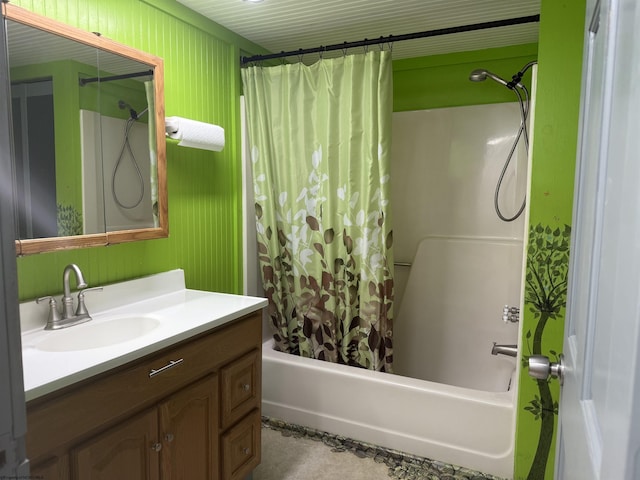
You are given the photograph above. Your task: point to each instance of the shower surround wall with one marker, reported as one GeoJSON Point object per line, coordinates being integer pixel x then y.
{"type": "Point", "coordinates": [466, 263]}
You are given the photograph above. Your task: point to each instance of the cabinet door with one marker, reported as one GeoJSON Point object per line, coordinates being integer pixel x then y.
{"type": "Point", "coordinates": [126, 452]}
{"type": "Point", "coordinates": [54, 468]}
{"type": "Point", "coordinates": [189, 431]}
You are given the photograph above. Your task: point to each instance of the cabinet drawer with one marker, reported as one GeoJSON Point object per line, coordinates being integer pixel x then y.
{"type": "Point", "coordinates": [81, 410]}
{"type": "Point", "coordinates": [241, 448]}
{"type": "Point", "coordinates": [240, 388]}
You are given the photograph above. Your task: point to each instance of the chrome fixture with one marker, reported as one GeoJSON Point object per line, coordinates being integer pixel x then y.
{"type": "Point", "coordinates": [67, 299]}
{"type": "Point", "coordinates": [541, 368]}
{"type": "Point", "coordinates": [401, 264]}
{"type": "Point", "coordinates": [126, 146]}
{"type": "Point", "coordinates": [68, 317]}
{"type": "Point", "coordinates": [480, 75]}
{"type": "Point", "coordinates": [508, 350]}
{"type": "Point", "coordinates": [510, 314]}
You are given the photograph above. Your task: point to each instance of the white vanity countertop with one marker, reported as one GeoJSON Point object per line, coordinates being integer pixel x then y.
{"type": "Point", "coordinates": [180, 313]}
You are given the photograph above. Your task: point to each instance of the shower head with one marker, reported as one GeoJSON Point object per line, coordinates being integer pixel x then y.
{"type": "Point", "coordinates": [124, 105]}
{"type": "Point", "coordinates": [480, 75]}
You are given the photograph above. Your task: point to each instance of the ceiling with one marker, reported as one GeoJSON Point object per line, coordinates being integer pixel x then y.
{"type": "Point", "coordinates": [31, 46]}
{"type": "Point", "coordinates": [278, 25]}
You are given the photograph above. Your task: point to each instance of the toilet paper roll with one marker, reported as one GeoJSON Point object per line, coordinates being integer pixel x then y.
{"type": "Point", "coordinates": [192, 133]}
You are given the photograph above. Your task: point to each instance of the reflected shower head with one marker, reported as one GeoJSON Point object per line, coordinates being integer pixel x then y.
{"type": "Point", "coordinates": [480, 75]}
{"type": "Point", "coordinates": [122, 105]}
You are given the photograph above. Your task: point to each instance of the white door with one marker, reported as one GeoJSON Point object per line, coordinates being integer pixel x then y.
{"type": "Point", "coordinates": [599, 434]}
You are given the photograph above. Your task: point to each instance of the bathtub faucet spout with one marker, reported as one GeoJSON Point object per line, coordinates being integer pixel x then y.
{"type": "Point", "coordinates": [509, 350]}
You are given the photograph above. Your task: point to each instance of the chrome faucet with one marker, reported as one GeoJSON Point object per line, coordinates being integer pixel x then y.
{"type": "Point", "coordinates": [67, 299]}
{"type": "Point", "coordinates": [68, 317]}
{"type": "Point", "coordinates": [509, 350]}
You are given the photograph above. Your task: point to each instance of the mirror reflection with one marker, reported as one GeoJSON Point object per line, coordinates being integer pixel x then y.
{"type": "Point", "coordinates": [81, 136]}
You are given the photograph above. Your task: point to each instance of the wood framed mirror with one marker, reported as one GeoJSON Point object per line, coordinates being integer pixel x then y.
{"type": "Point", "coordinates": [88, 132]}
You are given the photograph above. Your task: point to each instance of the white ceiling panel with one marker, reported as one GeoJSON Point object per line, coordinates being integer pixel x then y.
{"type": "Point", "coordinates": [278, 25]}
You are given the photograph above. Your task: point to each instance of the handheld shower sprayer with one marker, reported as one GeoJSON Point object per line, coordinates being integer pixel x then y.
{"type": "Point", "coordinates": [134, 115]}
{"type": "Point", "coordinates": [124, 105]}
{"type": "Point", "coordinates": [479, 75]}
{"type": "Point", "coordinates": [126, 145]}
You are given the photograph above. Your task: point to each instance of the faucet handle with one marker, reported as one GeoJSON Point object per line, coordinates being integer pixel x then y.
{"type": "Point", "coordinates": [54, 314]}
{"type": "Point", "coordinates": [82, 308]}
{"type": "Point", "coordinates": [510, 314]}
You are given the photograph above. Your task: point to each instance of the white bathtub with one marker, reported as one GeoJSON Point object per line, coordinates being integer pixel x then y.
{"type": "Point", "coordinates": [461, 426]}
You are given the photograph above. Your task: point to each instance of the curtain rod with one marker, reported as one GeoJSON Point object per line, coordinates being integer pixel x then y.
{"type": "Point", "coordinates": [394, 38]}
{"type": "Point", "coordinates": [84, 81]}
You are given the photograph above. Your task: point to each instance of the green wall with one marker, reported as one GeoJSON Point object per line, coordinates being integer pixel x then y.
{"type": "Point", "coordinates": [554, 151]}
{"type": "Point", "coordinates": [202, 80]}
{"type": "Point", "coordinates": [443, 80]}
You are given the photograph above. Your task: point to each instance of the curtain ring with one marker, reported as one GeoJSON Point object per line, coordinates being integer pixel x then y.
{"type": "Point", "coordinates": [365, 47]}
{"type": "Point", "coordinates": [300, 55]}
{"type": "Point", "coordinates": [321, 52]}
{"type": "Point", "coordinates": [344, 49]}
{"type": "Point", "coordinates": [381, 44]}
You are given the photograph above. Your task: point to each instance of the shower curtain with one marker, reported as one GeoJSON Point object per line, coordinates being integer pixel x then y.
{"type": "Point", "coordinates": [320, 146]}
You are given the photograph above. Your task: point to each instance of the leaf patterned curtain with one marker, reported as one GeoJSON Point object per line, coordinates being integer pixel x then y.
{"type": "Point", "coordinates": [320, 147]}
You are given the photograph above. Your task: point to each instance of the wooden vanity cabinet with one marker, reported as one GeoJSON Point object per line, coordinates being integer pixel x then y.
{"type": "Point", "coordinates": [197, 419]}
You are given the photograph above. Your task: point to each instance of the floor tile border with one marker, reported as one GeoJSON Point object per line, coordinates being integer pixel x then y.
{"type": "Point", "coordinates": [402, 466]}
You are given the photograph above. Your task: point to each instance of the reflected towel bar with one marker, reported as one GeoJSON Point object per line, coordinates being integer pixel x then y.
{"type": "Point", "coordinates": [401, 264]}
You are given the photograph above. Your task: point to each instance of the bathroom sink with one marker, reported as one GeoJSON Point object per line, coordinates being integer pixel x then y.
{"type": "Point", "coordinates": [98, 334]}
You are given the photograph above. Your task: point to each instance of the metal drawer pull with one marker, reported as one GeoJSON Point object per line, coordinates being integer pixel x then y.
{"type": "Point", "coordinates": [171, 364]}
{"type": "Point", "coordinates": [246, 387]}
{"type": "Point", "coordinates": [246, 451]}
{"type": "Point", "coordinates": [156, 447]}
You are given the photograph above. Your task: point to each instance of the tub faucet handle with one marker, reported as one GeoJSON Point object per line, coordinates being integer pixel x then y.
{"type": "Point", "coordinates": [510, 314]}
